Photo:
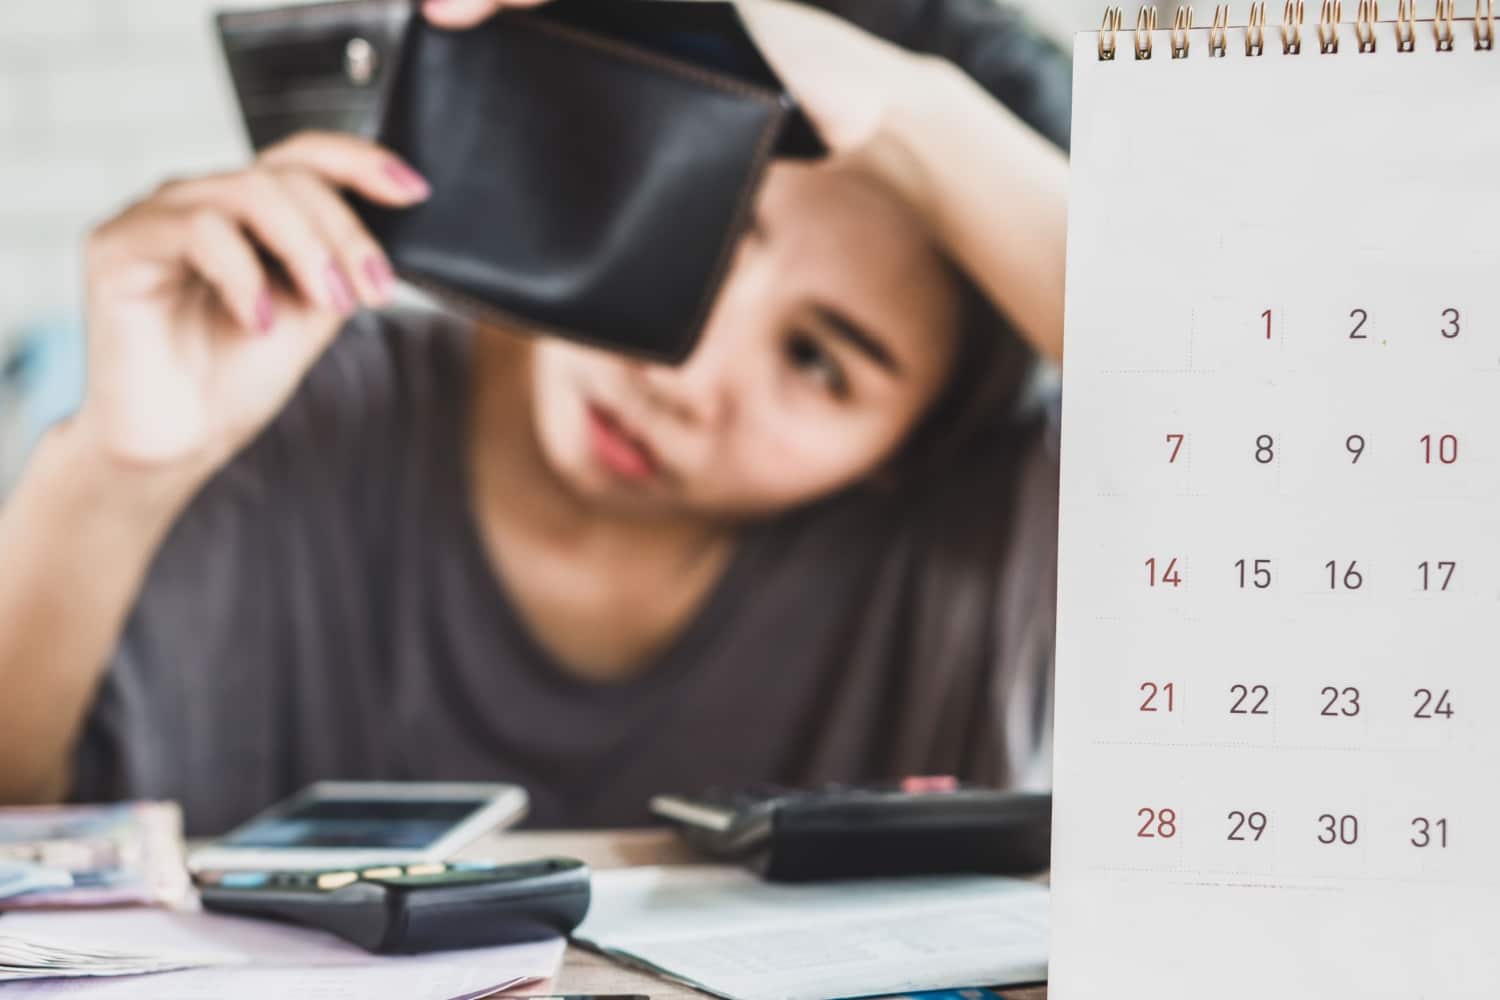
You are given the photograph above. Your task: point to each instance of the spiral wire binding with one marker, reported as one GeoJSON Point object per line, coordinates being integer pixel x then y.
{"type": "Point", "coordinates": [1293, 17]}
{"type": "Point", "coordinates": [1406, 26]}
{"type": "Point", "coordinates": [1442, 26]}
{"type": "Point", "coordinates": [1255, 34]}
{"type": "Point", "coordinates": [1218, 35]}
{"type": "Point", "coordinates": [1328, 26]}
{"type": "Point", "coordinates": [1364, 24]}
{"type": "Point", "coordinates": [1182, 31]}
{"type": "Point", "coordinates": [1145, 27]}
{"type": "Point", "coordinates": [1109, 32]}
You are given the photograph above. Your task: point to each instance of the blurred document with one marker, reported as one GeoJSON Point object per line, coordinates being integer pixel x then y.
{"type": "Point", "coordinates": [727, 932]}
{"type": "Point", "coordinates": [268, 960]}
{"type": "Point", "coordinates": [112, 855]}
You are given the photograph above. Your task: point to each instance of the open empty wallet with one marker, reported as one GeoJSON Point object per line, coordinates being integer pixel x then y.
{"type": "Point", "coordinates": [593, 164]}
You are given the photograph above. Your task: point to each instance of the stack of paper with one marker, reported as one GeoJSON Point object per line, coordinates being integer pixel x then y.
{"type": "Point", "coordinates": [22, 959]}
{"type": "Point", "coordinates": [273, 960]}
{"type": "Point", "coordinates": [727, 932]}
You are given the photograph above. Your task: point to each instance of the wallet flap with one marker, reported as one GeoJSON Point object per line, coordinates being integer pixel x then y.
{"type": "Point", "coordinates": [709, 34]}
{"type": "Point", "coordinates": [582, 186]}
{"type": "Point", "coordinates": [313, 66]}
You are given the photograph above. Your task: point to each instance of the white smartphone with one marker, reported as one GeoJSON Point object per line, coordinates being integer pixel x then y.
{"type": "Point", "coordinates": [353, 824]}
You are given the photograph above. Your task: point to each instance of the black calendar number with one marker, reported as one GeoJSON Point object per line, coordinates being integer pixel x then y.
{"type": "Point", "coordinates": [1341, 702]}
{"type": "Point", "coordinates": [1360, 317]}
{"type": "Point", "coordinates": [1265, 449]}
{"type": "Point", "coordinates": [1254, 572]}
{"type": "Point", "coordinates": [1440, 572]}
{"type": "Point", "coordinates": [1166, 692]}
{"type": "Point", "coordinates": [1432, 706]}
{"type": "Point", "coordinates": [1444, 448]}
{"type": "Point", "coordinates": [1250, 699]}
{"type": "Point", "coordinates": [1354, 444]}
{"type": "Point", "coordinates": [1338, 829]}
{"type": "Point", "coordinates": [1353, 579]}
{"type": "Point", "coordinates": [1159, 823]}
{"type": "Point", "coordinates": [1429, 832]}
{"type": "Point", "coordinates": [1170, 576]}
{"type": "Point", "coordinates": [1451, 327]}
{"type": "Point", "coordinates": [1253, 823]}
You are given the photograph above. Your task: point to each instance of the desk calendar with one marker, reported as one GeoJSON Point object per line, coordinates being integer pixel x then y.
{"type": "Point", "coordinates": [1278, 717]}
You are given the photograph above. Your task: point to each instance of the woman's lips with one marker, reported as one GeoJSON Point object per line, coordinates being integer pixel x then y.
{"type": "Point", "coordinates": [617, 449]}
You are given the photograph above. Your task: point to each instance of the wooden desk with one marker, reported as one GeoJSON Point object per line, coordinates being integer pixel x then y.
{"type": "Point", "coordinates": [583, 971]}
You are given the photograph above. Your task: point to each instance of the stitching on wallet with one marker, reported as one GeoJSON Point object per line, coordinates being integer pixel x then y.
{"type": "Point", "coordinates": [306, 14]}
{"type": "Point", "coordinates": [635, 53]}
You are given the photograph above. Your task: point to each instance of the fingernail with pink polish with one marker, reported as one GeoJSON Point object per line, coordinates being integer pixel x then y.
{"type": "Point", "coordinates": [340, 293]}
{"type": "Point", "coordinates": [412, 182]}
{"type": "Point", "coordinates": [380, 274]}
{"type": "Point", "coordinates": [265, 312]}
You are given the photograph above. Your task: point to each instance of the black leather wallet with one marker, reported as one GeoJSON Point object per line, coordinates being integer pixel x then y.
{"type": "Point", "coordinates": [593, 164]}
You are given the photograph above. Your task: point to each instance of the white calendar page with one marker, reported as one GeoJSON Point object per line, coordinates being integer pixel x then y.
{"type": "Point", "coordinates": [1278, 718]}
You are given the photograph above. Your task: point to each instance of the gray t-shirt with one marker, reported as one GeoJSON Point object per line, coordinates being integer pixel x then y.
{"type": "Point", "coordinates": [325, 610]}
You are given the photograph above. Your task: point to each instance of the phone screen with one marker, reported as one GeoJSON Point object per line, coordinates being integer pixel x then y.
{"type": "Point", "coordinates": [382, 823]}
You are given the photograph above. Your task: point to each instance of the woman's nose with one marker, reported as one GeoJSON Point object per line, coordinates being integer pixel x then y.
{"type": "Point", "coordinates": [702, 390]}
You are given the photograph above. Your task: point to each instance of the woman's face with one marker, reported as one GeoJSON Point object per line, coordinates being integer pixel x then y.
{"type": "Point", "coordinates": [834, 332]}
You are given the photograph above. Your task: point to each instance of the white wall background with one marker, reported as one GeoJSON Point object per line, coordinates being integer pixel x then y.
{"type": "Point", "coordinates": [100, 99]}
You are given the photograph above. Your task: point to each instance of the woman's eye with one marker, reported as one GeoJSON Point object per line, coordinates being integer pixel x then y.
{"type": "Point", "coordinates": [809, 358]}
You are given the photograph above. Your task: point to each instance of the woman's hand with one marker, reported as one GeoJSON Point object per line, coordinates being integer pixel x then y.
{"type": "Point", "coordinates": [194, 345]}
{"type": "Point", "coordinates": [467, 13]}
{"type": "Point", "coordinates": [839, 74]}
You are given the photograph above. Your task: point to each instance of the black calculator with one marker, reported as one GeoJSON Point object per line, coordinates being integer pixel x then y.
{"type": "Point", "coordinates": [405, 909]}
{"type": "Point", "coordinates": [919, 826]}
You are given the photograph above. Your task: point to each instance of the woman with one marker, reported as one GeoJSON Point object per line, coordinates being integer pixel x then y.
{"type": "Point", "coordinates": [263, 553]}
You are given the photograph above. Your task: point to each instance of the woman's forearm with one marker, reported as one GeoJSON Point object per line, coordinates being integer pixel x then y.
{"type": "Point", "coordinates": [76, 538]}
{"type": "Point", "coordinates": [992, 188]}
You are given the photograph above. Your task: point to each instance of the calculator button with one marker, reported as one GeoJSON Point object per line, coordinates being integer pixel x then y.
{"type": "Point", "coordinates": [336, 880]}
{"type": "Point", "coordinates": [389, 871]}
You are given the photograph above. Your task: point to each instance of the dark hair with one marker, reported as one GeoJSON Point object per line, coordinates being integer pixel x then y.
{"type": "Point", "coordinates": [958, 478]}
{"type": "Point", "coordinates": [1032, 77]}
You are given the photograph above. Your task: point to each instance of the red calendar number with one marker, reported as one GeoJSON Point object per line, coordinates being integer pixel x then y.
{"type": "Point", "coordinates": [1446, 449]}
{"type": "Point", "coordinates": [1159, 823]}
{"type": "Point", "coordinates": [1175, 440]}
{"type": "Point", "coordinates": [1170, 577]}
{"type": "Point", "coordinates": [1267, 317]}
{"type": "Point", "coordinates": [1152, 691]}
